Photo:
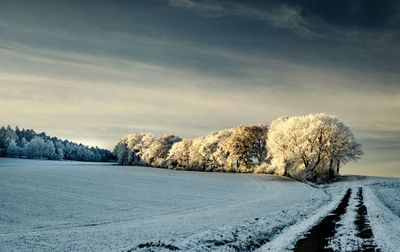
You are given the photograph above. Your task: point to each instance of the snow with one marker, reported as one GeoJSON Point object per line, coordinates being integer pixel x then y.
{"type": "Point", "coordinates": [384, 223]}
{"type": "Point", "coordinates": [345, 238]}
{"type": "Point", "coordinates": [286, 239]}
{"type": "Point", "coordinates": [61, 205]}
{"type": "Point", "coordinates": [388, 192]}
{"type": "Point", "coordinates": [56, 205]}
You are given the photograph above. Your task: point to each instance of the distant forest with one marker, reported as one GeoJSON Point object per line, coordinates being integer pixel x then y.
{"type": "Point", "coordinates": [26, 143]}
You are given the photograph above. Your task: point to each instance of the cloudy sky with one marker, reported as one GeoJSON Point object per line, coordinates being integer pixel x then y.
{"type": "Point", "coordinates": [92, 71]}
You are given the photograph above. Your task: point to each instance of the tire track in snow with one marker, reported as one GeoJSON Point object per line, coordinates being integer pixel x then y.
{"type": "Point", "coordinates": [384, 223]}
{"type": "Point", "coordinates": [363, 226]}
{"type": "Point", "coordinates": [248, 235]}
{"type": "Point", "coordinates": [345, 229]}
{"type": "Point", "coordinates": [318, 237]}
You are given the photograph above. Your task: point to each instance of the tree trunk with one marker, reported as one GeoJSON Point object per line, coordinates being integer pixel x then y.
{"type": "Point", "coordinates": [337, 167]}
{"type": "Point", "coordinates": [330, 169]}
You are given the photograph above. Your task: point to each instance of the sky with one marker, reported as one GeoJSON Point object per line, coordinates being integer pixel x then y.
{"type": "Point", "coordinates": [93, 71]}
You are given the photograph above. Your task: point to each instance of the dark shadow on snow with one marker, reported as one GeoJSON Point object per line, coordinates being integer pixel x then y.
{"type": "Point", "coordinates": [154, 245]}
{"type": "Point", "coordinates": [364, 230]}
{"type": "Point", "coordinates": [318, 236]}
{"type": "Point", "coordinates": [316, 239]}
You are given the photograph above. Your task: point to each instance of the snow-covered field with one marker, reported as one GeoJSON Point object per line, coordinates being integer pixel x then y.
{"type": "Point", "coordinates": [64, 206]}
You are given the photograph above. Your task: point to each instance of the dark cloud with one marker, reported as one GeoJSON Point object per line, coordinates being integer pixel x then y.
{"type": "Point", "coordinates": [225, 39]}
{"type": "Point", "coordinates": [369, 14]}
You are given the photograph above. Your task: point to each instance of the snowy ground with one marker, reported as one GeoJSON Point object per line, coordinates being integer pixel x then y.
{"type": "Point", "coordinates": [46, 206]}
{"type": "Point", "coordinates": [363, 223]}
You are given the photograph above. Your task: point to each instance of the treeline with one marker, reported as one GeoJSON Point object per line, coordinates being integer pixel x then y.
{"type": "Point", "coordinates": [311, 147]}
{"type": "Point", "coordinates": [26, 143]}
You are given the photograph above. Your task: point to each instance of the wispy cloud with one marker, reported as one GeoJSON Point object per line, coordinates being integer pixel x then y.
{"type": "Point", "coordinates": [212, 8]}
{"type": "Point", "coordinates": [291, 17]}
{"type": "Point", "coordinates": [280, 16]}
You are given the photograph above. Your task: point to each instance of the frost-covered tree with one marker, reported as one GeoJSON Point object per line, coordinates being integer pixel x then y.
{"type": "Point", "coordinates": [7, 135]}
{"type": "Point", "coordinates": [246, 147]}
{"type": "Point", "coordinates": [23, 147]}
{"type": "Point", "coordinates": [62, 149]}
{"type": "Point", "coordinates": [144, 149]}
{"type": "Point", "coordinates": [178, 156]}
{"type": "Point", "coordinates": [157, 152]}
{"type": "Point", "coordinates": [303, 147]}
{"type": "Point", "coordinates": [39, 148]}
{"type": "Point", "coordinates": [207, 153]}
{"type": "Point", "coordinates": [137, 145]}
{"type": "Point", "coordinates": [50, 150]}
{"type": "Point", "coordinates": [13, 149]}
{"type": "Point", "coordinates": [59, 155]}
{"type": "Point", "coordinates": [215, 145]}
{"type": "Point", "coordinates": [307, 147]}
{"type": "Point", "coordinates": [35, 148]}
{"type": "Point", "coordinates": [197, 159]}
{"type": "Point", "coordinates": [11, 135]}
{"type": "Point", "coordinates": [341, 147]}
{"type": "Point", "coordinates": [122, 153]}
